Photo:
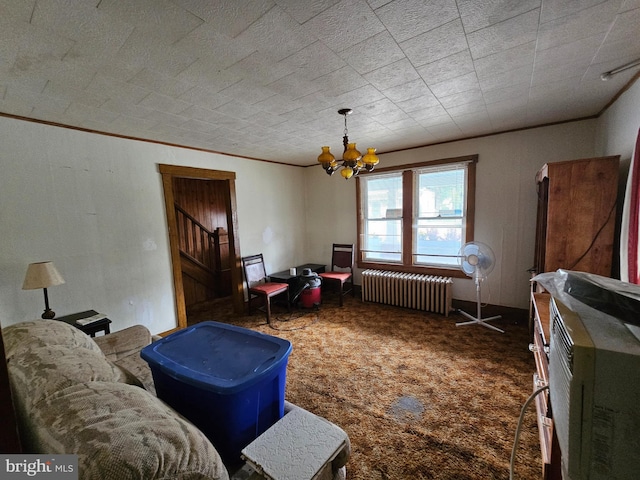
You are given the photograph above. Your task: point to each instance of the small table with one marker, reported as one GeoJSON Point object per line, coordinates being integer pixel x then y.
{"type": "Point", "coordinates": [286, 277]}
{"type": "Point", "coordinates": [292, 280]}
{"type": "Point", "coordinates": [91, 328]}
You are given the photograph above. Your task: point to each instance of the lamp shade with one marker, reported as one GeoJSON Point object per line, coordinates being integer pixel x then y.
{"type": "Point", "coordinates": [41, 275]}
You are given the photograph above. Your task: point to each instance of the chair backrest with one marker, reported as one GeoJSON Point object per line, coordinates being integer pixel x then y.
{"type": "Point", "coordinates": [254, 270]}
{"type": "Point", "coordinates": [343, 256]}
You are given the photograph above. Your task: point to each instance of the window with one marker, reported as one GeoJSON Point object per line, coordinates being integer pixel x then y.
{"type": "Point", "coordinates": [415, 218]}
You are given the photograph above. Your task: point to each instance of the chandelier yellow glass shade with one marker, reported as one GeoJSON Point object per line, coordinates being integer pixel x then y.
{"type": "Point", "coordinates": [351, 154]}
{"type": "Point", "coordinates": [347, 172]}
{"type": "Point", "coordinates": [326, 156]}
{"type": "Point", "coordinates": [370, 158]}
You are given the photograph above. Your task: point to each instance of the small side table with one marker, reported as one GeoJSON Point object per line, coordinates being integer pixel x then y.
{"type": "Point", "coordinates": [100, 325]}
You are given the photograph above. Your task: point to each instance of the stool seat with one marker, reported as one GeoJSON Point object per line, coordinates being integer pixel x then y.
{"type": "Point", "coordinates": [291, 449]}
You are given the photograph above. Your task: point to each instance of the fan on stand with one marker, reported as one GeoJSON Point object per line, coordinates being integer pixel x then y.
{"type": "Point", "coordinates": [477, 261]}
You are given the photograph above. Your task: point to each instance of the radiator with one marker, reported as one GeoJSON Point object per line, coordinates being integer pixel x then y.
{"type": "Point", "coordinates": [420, 292]}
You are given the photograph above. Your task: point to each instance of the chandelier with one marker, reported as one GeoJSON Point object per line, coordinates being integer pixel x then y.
{"type": "Point", "coordinates": [352, 160]}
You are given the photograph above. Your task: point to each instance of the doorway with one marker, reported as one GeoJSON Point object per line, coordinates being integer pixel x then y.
{"type": "Point", "coordinates": [225, 186]}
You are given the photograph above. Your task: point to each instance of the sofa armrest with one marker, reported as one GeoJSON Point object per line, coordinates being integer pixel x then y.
{"type": "Point", "coordinates": [124, 342]}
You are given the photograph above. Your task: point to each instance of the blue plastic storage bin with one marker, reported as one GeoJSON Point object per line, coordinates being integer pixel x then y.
{"type": "Point", "coordinates": [228, 381]}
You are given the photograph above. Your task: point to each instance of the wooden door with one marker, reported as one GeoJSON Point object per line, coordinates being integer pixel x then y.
{"type": "Point", "coordinates": [171, 172]}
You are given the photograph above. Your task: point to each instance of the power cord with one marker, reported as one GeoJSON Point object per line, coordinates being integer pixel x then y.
{"type": "Point", "coordinates": [294, 316]}
{"type": "Point", "coordinates": [518, 428]}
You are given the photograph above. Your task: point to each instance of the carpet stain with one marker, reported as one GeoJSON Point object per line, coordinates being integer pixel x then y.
{"type": "Point", "coordinates": [406, 409]}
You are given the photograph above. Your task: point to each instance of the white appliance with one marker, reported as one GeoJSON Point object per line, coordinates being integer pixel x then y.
{"type": "Point", "coordinates": [594, 385]}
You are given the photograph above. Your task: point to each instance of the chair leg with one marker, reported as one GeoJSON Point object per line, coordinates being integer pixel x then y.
{"type": "Point", "coordinates": [341, 295]}
{"type": "Point", "coordinates": [268, 308]}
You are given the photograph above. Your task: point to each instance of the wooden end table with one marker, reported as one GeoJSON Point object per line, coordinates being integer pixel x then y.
{"type": "Point", "coordinates": [100, 325]}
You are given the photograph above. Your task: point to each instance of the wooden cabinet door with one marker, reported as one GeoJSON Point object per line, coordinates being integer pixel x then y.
{"type": "Point", "coordinates": [576, 226]}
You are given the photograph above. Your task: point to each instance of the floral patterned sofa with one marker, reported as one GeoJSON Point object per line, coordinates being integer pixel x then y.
{"type": "Point", "coordinates": [94, 397]}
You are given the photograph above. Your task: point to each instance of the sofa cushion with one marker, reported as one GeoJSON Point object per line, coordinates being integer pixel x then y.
{"type": "Point", "coordinates": [121, 432]}
{"type": "Point", "coordinates": [23, 337]}
{"type": "Point", "coordinates": [43, 370]}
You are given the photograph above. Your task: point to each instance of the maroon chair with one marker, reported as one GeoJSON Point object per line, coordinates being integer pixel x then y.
{"type": "Point", "coordinates": [259, 285]}
{"type": "Point", "coordinates": [342, 260]}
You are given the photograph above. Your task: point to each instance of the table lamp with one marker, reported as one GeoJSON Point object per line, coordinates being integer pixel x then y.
{"type": "Point", "coordinates": [42, 275]}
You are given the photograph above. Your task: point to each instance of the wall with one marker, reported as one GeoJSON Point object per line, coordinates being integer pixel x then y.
{"type": "Point", "coordinates": [617, 127]}
{"type": "Point", "coordinates": [616, 135]}
{"type": "Point", "coordinates": [505, 201]}
{"type": "Point", "coordinates": [94, 205]}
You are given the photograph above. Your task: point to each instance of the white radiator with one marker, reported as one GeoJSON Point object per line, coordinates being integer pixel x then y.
{"type": "Point", "coordinates": [421, 292]}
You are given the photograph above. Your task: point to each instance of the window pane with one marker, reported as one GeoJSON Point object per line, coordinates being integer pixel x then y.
{"type": "Point", "coordinates": [383, 220]}
{"type": "Point", "coordinates": [384, 197]}
{"type": "Point", "coordinates": [383, 240]}
{"type": "Point", "coordinates": [441, 193]}
{"type": "Point", "coordinates": [439, 228]}
{"type": "Point", "coordinates": [438, 237]}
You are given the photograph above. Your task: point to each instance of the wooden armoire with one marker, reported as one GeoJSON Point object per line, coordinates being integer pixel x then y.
{"type": "Point", "coordinates": [575, 231]}
{"type": "Point", "coordinates": [577, 215]}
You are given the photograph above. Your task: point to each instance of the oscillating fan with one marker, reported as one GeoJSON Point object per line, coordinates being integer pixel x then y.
{"type": "Point", "coordinates": [477, 261]}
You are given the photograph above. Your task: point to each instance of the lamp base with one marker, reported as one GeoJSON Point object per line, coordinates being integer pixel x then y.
{"type": "Point", "coordinates": [48, 314]}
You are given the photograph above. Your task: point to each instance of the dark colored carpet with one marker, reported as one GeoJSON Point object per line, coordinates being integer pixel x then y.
{"type": "Point", "coordinates": [419, 397]}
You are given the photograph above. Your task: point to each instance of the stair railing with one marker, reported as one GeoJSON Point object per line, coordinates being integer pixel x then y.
{"type": "Point", "coordinates": [196, 241]}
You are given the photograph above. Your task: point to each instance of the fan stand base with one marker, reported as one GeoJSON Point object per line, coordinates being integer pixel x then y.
{"type": "Point", "coordinates": [480, 321]}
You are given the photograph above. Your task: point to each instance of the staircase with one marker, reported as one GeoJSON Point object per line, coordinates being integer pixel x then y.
{"type": "Point", "coordinates": [204, 259]}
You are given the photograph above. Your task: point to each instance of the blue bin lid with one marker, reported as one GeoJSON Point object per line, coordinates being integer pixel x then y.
{"type": "Point", "coordinates": [218, 357]}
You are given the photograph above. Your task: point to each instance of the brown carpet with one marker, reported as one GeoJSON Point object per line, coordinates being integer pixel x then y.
{"type": "Point", "coordinates": [419, 397]}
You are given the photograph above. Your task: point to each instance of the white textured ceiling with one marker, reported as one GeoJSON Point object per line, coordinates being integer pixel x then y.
{"type": "Point", "coordinates": [264, 79]}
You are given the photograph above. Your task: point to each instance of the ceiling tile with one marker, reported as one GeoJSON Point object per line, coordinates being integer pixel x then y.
{"type": "Point", "coordinates": [162, 19]}
{"type": "Point", "coordinates": [373, 53]}
{"type": "Point", "coordinates": [464, 98]}
{"type": "Point", "coordinates": [504, 35]}
{"type": "Point", "coordinates": [555, 9]}
{"type": "Point", "coordinates": [463, 83]}
{"type": "Point", "coordinates": [438, 43]}
{"type": "Point", "coordinates": [407, 91]}
{"type": "Point", "coordinates": [161, 83]}
{"type": "Point", "coordinates": [478, 14]}
{"type": "Point", "coordinates": [312, 61]}
{"type": "Point", "coordinates": [418, 104]}
{"type": "Point", "coordinates": [340, 81]}
{"type": "Point", "coordinates": [303, 10]}
{"type": "Point", "coordinates": [122, 91]}
{"type": "Point", "coordinates": [276, 35]}
{"type": "Point", "coordinates": [230, 18]}
{"type": "Point", "coordinates": [408, 18]}
{"type": "Point", "coordinates": [392, 75]}
{"type": "Point", "coordinates": [345, 24]}
{"type": "Point", "coordinates": [218, 48]}
{"type": "Point", "coordinates": [245, 91]}
{"type": "Point", "coordinates": [578, 25]}
{"type": "Point", "coordinates": [204, 98]}
{"type": "Point", "coordinates": [447, 67]}
{"type": "Point", "coordinates": [505, 80]}
{"type": "Point", "coordinates": [506, 91]}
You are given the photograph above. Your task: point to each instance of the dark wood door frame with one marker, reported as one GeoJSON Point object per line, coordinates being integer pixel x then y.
{"type": "Point", "coordinates": [169, 172]}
